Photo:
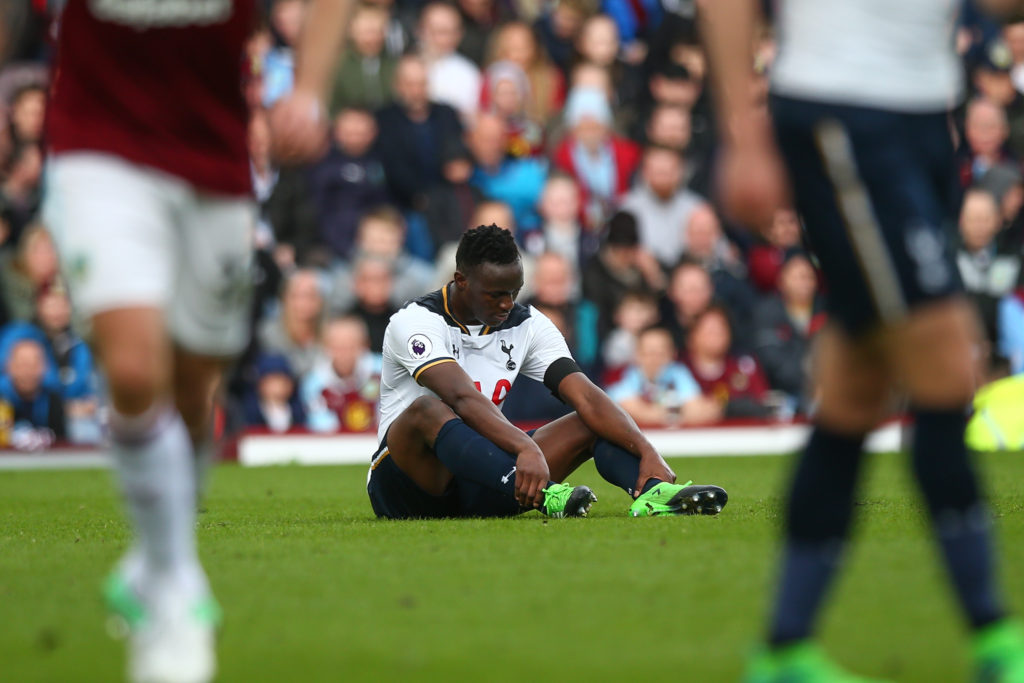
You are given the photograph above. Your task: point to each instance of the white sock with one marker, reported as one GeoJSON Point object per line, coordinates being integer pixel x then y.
{"type": "Point", "coordinates": [153, 458]}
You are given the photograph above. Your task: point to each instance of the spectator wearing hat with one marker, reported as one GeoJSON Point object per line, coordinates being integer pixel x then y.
{"type": "Point", "coordinates": [516, 182]}
{"type": "Point", "coordinates": [343, 390]}
{"type": "Point", "coordinates": [452, 78]}
{"type": "Point", "coordinates": [414, 131]}
{"type": "Point", "coordinates": [992, 80]}
{"type": "Point", "coordinates": [363, 77]}
{"type": "Point", "coordinates": [346, 183]}
{"type": "Point", "coordinates": [274, 402]}
{"type": "Point", "coordinates": [620, 265]}
{"type": "Point", "coordinates": [35, 403]}
{"type": "Point", "coordinates": [601, 162]}
{"type": "Point", "coordinates": [662, 204]}
{"type": "Point", "coordinates": [989, 269]}
{"type": "Point", "coordinates": [784, 325]}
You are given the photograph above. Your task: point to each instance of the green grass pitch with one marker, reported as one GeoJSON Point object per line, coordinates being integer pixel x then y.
{"type": "Point", "coordinates": [316, 589]}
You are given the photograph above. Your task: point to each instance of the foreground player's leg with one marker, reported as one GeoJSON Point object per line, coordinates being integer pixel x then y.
{"type": "Point", "coordinates": [196, 382]}
{"type": "Point", "coordinates": [430, 444]}
{"type": "Point", "coordinates": [819, 512]}
{"type": "Point", "coordinates": [159, 589]}
{"type": "Point", "coordinates": [940, 379]}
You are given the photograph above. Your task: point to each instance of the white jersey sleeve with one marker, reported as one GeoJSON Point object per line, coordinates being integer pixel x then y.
{"type": "Point", "coordinates": [546, 346]}
{"type": "Point", "coordinates": [417, 339]}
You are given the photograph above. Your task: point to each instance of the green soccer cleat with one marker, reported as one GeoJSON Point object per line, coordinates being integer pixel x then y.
{"type": "Point", "coordinates": [803, 662]}
{"type": "Point", "coordinates": [676, 499]}
{"type": "Point", "coordinates": [563, 500]}
{"type": "Point", "coordinates": [999, 653]}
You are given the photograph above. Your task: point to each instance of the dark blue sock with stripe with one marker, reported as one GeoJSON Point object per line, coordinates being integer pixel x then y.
{"type": "Point", "coordinates": [469, 455]}
{"type": "Point", "coordinates": [620, 467]}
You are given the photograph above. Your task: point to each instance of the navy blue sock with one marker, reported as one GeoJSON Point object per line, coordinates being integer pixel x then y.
{"type": "Point", "coordinates": [620, 467]}
{"type": "Point", "coordinates": [959, 517]}
{"type": "Point", "coordinates": [469, 455]}
{"type": "Point", "coordinates": [818, 516]}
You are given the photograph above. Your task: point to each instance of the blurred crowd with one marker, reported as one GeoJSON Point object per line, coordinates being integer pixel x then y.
{"type": "Point", "coordinates": [586, 128]}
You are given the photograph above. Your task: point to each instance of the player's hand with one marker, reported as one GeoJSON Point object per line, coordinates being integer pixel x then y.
{"type": "Point", "coordinates": [752, 180]}
{"type": "Point", "coordinates": [298, 128]}
{"type": "Point", "coordinates": [652, 466]}
{"type": "Point", "coordinates": [532, 475]}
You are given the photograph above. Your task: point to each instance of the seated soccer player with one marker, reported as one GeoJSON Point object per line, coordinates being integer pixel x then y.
{"type": "Point", "coordinates": [450, 358]}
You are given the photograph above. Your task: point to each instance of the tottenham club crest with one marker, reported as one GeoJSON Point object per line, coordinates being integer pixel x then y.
{"type": "Point", "coordinates": [511, 364]}
{"type": "Point", "coordinates": [419, 346]}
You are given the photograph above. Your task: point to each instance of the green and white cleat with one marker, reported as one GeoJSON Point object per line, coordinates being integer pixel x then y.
{"type": "Point", "coordinates": [680, 499]}
{"type": "Point", "coordinates": [563, 500]}
{"type": "Point", "coordinates": [999, 653]}
{"type": "Point", "coordinates": [803, 662]}
{"type": "Point", "coordinates": [171, 638]}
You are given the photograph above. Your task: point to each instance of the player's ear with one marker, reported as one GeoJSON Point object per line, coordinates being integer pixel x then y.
{"type": "Point", "coordinates": [461, 281]}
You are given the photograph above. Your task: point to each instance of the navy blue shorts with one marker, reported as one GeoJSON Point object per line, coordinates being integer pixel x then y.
{"type": "Point", "coordinates": [394, 495]}
{"type": "Point", "coordinates": [878, 195]}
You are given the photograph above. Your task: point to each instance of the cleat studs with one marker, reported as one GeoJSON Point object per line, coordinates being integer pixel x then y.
{"type": "Point", "coordinates": [700, 509]}
{"type": "Point", "coordinates": [684, 506]}
{"type": "Point", "coordinates": [696, 498]}
{"type": "Point", "coordinates": [718, 508]}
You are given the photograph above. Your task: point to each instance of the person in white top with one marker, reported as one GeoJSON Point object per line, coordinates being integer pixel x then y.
{"type": "Point", "coordinates": [860, 98]}
{"type": "Point", "coordinates": [446, 450]}
{"type": "Point", "coordinates": [452, 78]}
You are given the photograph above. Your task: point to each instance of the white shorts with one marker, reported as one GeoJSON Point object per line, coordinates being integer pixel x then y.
{"type": "Point", "coordinates": [131, 236]}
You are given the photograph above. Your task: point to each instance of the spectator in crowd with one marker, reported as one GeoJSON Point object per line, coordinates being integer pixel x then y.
{"type": "Point", "coordinates": [515, 42]}
{"type": "Point", "coordinates": [690, 291]}
{"type": "Point", "coordinates": [668, 125]}
{"type": "Point", "coordinates": [1007, 185]}
{"type": "Point", "coordinates": [637, 310]}
{"type": "Point", "coordinates": [509, 96]}
{"type": "Point", "coordinates": [346, 183]}
{"type": "Point", "coordinates": [636, 21]}
{"type": "Point", "coordinates": [517, 182]}
{"type": "Point", "coordinates": [373, 285]}
{"type": "Point", "coordinates": [27, 270]}
{"type": "Point", "coordinates": [620, 265]}
{"type": "Point", "coordinates": [601, 162]}
{"type": "Point", "coordinates": [37, 407]}
{"type": "Point", "coordinates": [417, 131]}
{"type": "Point", "coordinates": [1010, 343]}
{"type": "Point", "coordinates": [784, 325]}
{"type": "Point", "coordinates": [295, 330]}
{"type": "Point", "coordinates": [1013, 34]}
{"type": "Point", "coordinates": [27, 113]}
{"type": "Point", "coordinates": [397, 31]}
{"type": "Point", "coordinates": [658, 391]}
{"type": "Point", "coordinates": [286, 224]}
{"type": "Point", "coordinates": [450, 204]}
{"type": "Point", "coordinates": [286, 20]}
{"type": "Point", "coordinates": [662, 204]}
{"type": "Point", "coordinates": [706, 244]}
{"type": "Point", "coordinates": [598, 44]}
{"type": "Point", "coordinates": [274, 402]}
{"type": "Point", "coordinates": [343, 390]}
{"type": "Point", "coordinates": [561, 228]}
{"type": "Point", "coordinates": [552, 280]}
{"type": "Point", "coordinates": [764, 260]}
{"type": "Point", "coordinates": [380, 237]}
{"type": "Point", "coordinates": [479, 20]}
{"type": "Point", "coordinates": [453, 79]}
{"type": "Point", "coordinates": [991, 80]}
{"type": "Point", "coordinates": [67, 351]}
{"type": "Point", "coordinates": [558, 26]}
{"type": "Point", "coordinates": [988, 272]}
{"type": "Point", "coordinates": [20, 190]}
{"type": "Point", "coordinates": [364, 75]}
{"type": "Point", "coordinates": [735, 382]}
{"type": "Point", "coordinates": [986, 132]}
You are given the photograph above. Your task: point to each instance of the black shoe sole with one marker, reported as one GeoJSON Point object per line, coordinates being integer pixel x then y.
{"type": "Point", "coordinates": [699, 500]}
{"type": "Point", "coordinates": [579, 502]}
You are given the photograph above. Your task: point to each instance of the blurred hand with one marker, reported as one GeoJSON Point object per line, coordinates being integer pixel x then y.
{"type": "Point", "coordinates": [702, 410]}
{"type": "Point", "coordinates": [652, 466]}
{"type": "Point", "coordinates": [752, 179]}
{"type": "Point", "coordinates": [298, 128]}
{"type": "Point", "coordinates": [532, 475]}
{"type": "Point", "coordinates": [650, 268]}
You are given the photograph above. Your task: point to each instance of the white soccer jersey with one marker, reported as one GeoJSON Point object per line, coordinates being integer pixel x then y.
{"type": "Point", "coordinates": [887, 54]}
{"type": "Point", "coordinates": [424, 334]}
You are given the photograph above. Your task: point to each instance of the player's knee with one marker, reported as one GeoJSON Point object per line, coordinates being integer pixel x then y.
{"type": "Point", "coordinates": [938, 356]}
{"type": "Point", "coordinates": [429, 413]}
{"type": "Point", "coordinates": [135, 382]}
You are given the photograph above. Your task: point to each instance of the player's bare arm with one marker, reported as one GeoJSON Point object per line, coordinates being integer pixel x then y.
{"type": "Point", "coordinates": [451, 383]}
{"type": "Point", "coordinates": [752, 180]}
{"type": "Point", "coordinates": [607, 420]}
{"type": "Point", "coordinates": [299, 121]}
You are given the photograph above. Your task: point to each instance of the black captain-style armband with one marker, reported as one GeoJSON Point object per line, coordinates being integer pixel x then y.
{"type": "Point", "coordinates": [556, 372]}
